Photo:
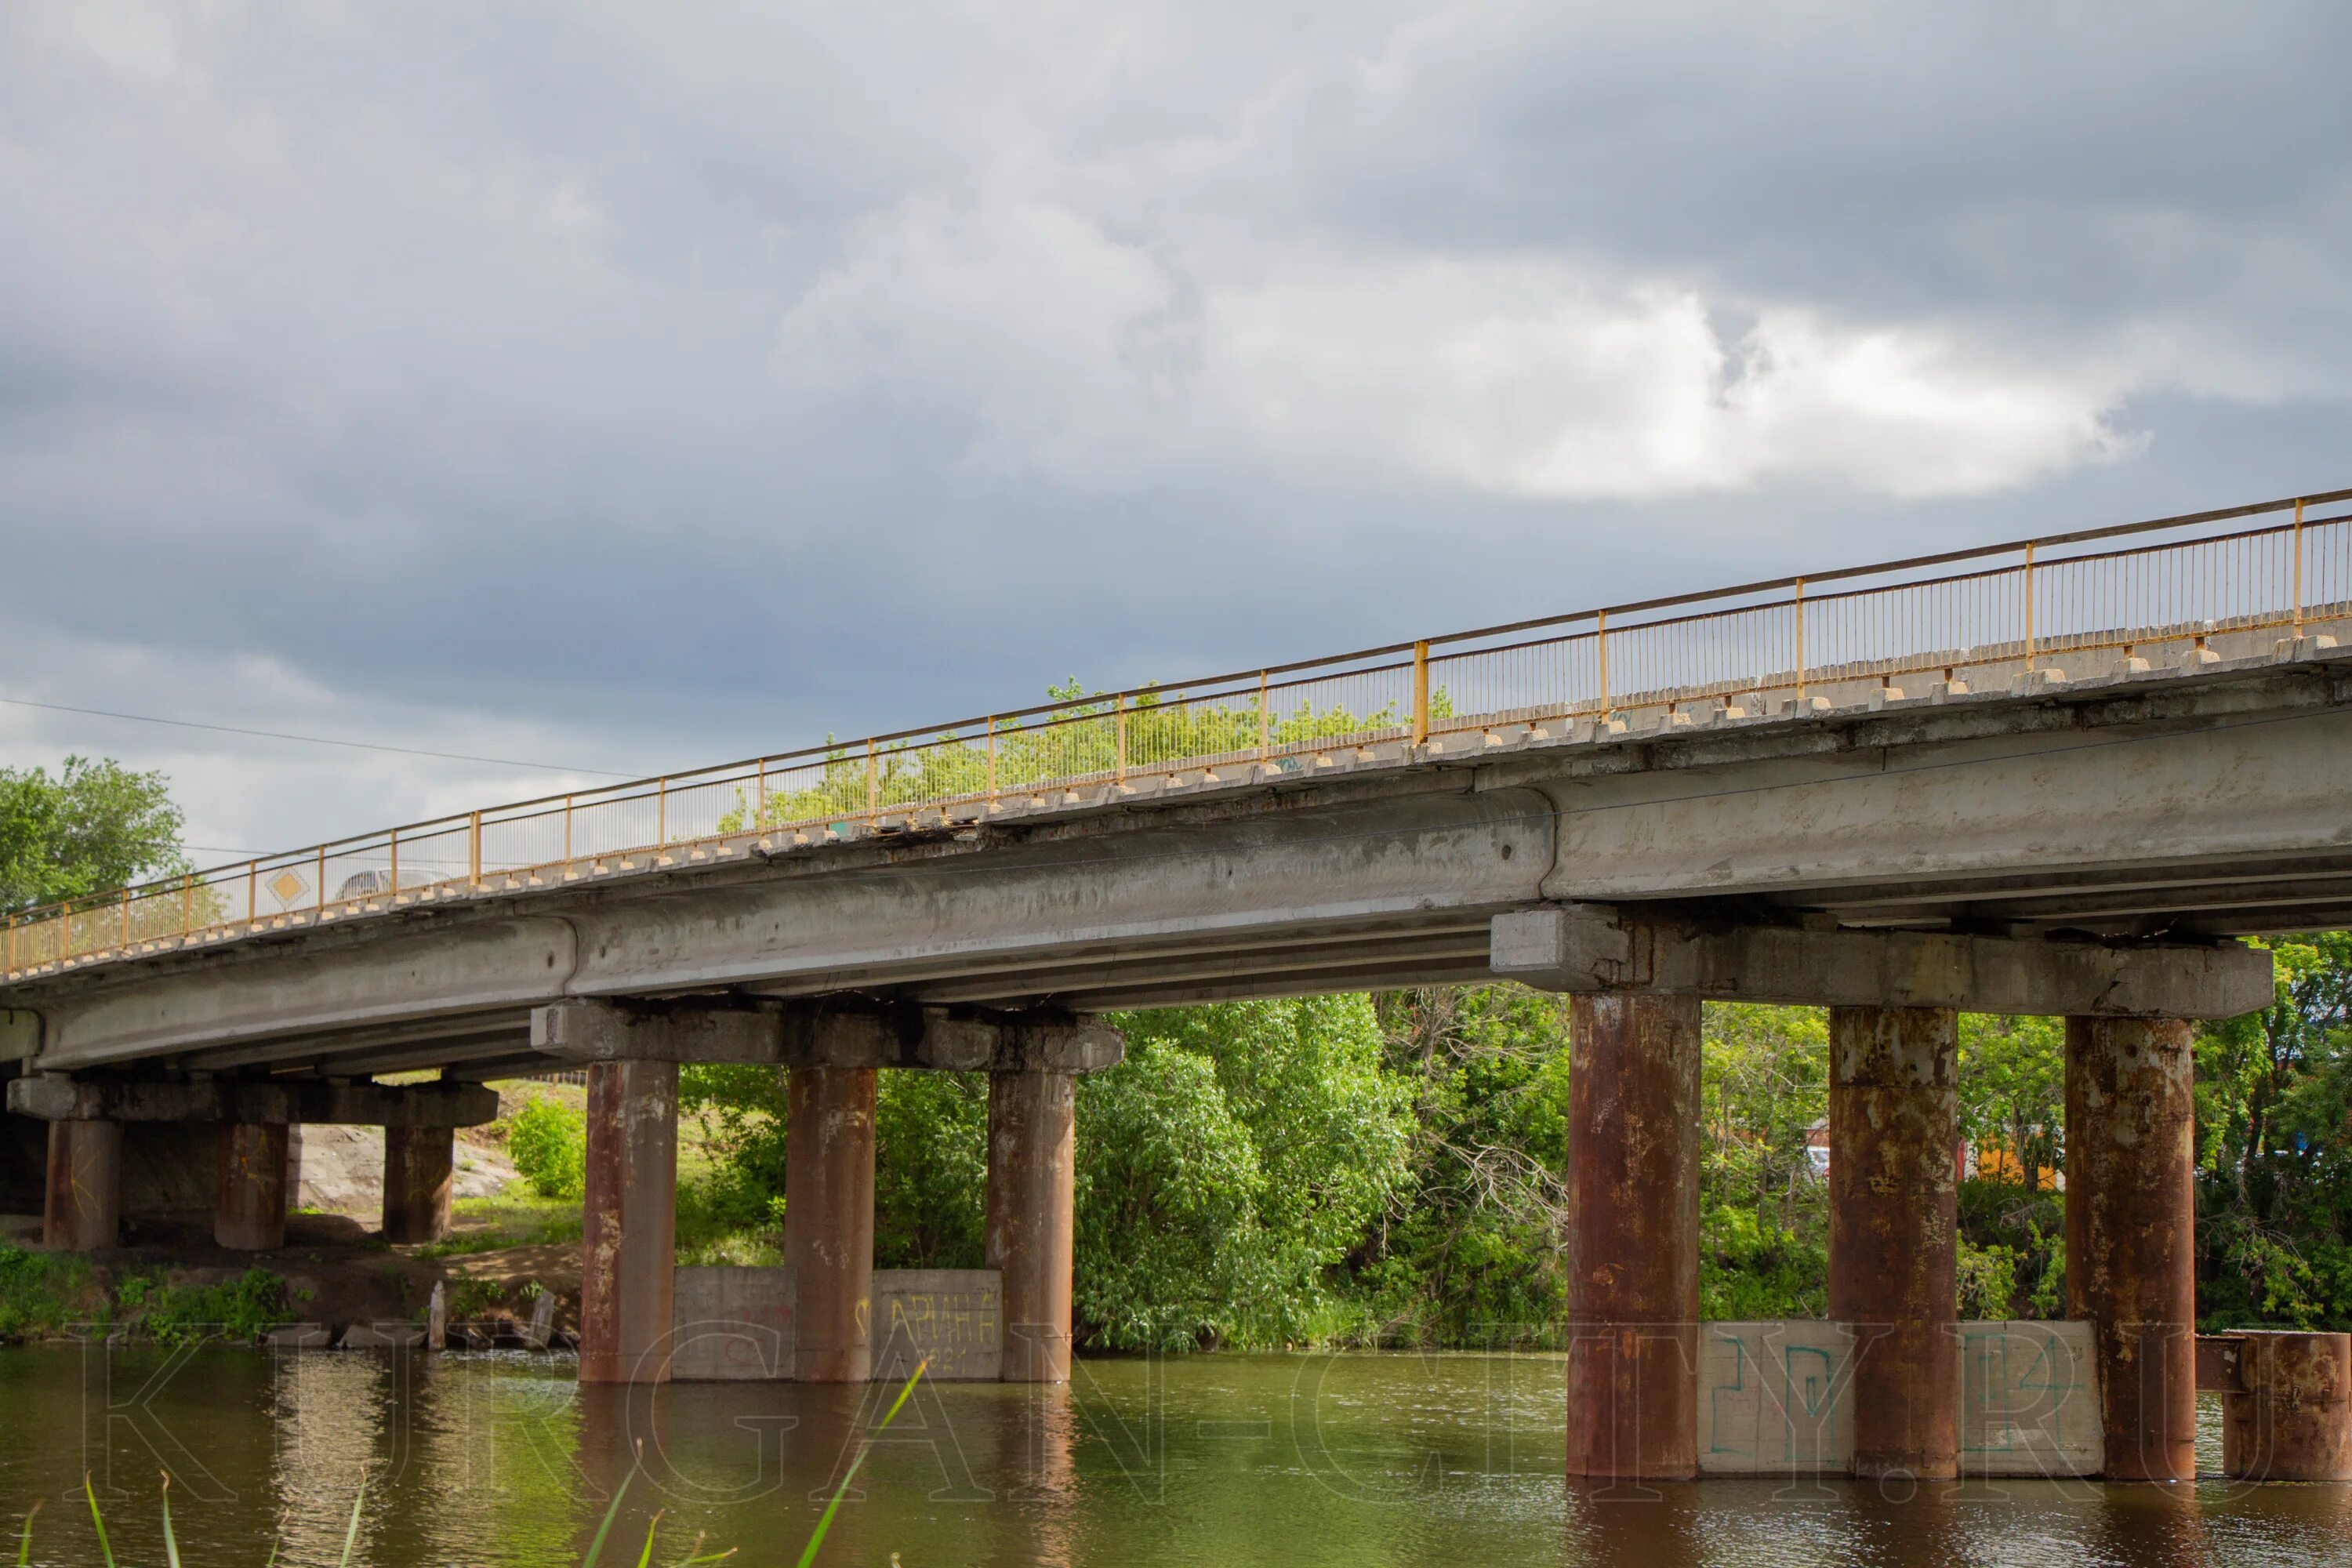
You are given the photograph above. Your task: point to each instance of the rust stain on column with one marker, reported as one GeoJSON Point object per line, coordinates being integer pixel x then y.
{"type": "Point", "coordinates": [2130, 1219]}
{"type": "Point", "coordinates": [249, 1210]}
{"type": "Point", "coordinates": [629, 1244]}
{"type": "Point", "coordinates": [2290, 1417]}
{"type": "Point", "coordinates": [1632, 1366]}
{"type": "Point", "coordinates": [1894, 1233]}
{"type": "Point", "coordinates": [829, 1220]}
{"type": "Point", "coordinates": [1032, 1194]}
{"type": "Point", "coordinates": [419, 1179]}
{"type": "Point", "coordinates": [82, 1208]}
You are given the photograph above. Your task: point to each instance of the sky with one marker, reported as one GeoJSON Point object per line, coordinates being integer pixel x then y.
{"type": "Point", "coordinates": [618, 388]}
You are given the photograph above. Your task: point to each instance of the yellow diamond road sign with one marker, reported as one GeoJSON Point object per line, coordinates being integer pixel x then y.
{"type": "Point", "coordinates": [288, 886]}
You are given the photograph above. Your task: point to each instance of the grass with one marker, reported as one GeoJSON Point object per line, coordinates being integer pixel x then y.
{"type": "Point", "coordinates": [511, 1219]}
{"type": "Point", "coordinates": [43, 1293]}
{"type": "Point", "coordinates": [693, 1558]}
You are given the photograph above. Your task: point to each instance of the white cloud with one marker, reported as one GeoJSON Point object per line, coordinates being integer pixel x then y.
{"type": "Point", "coordinates": [1077, 356]}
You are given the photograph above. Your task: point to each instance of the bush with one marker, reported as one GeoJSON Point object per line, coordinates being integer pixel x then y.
{"type": "Point", "coordinates": [550, 1147]}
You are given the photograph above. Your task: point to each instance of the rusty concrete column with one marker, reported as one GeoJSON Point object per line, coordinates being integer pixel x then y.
{"type": "Point", "coordinates": [1031, 1199]}
{"type": "Point", "coordinates": [629, 1241]}
{"type": "Point", "coordinates": [420, 1167]}
{"type": "Point", "coordinates": [829, 1220]}
{"type": "Point", "coordinates": [250, 1208]}
{"type": "Point", "coordinates": [1633, 1364]}
{"type": "Point", "coordinates": [2130, 1224]}
{"type": "Point", "coordinates": [82, 1210]}
{"type": "Point", "coordinates": [2290, 1417]}
{"type": "Point", "coordinates": [1894, 1209]}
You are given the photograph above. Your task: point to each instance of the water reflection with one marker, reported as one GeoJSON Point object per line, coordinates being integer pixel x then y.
{"type": "Point", "coordinates": [1390, 1460]}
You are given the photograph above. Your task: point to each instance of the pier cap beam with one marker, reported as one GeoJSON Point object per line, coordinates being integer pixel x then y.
{"type": "Point", "coordinates": [1587, 949]}
{"type": "Point", "coordinates": [55, 1098]}
{"type": "Point", "coordinates": [808, 1036]}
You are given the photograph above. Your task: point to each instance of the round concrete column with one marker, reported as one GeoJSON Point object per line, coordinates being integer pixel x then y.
{"type": "Point", "coordinates": [829, 1220]}
{"type": "Point", "coordinates": [1032, 1197]}
{"type": "Point", "coordinates": [2130, 1223]}
{"type": "Point", "coordinates": [82, 1210]}
{"type": "Point", "coordinates": [1894, 1232]}
{"type": "Point", "coordinates": [249, 1211]}
{"type": "Point", "coordinates": [628, 1244]}
{"type": "Point", "coordinates": [1632, 1364]}
{"type": "Point", "coordinates": [419, 1177]}
{"type": "Point", "coordinates": [2290, 1418]}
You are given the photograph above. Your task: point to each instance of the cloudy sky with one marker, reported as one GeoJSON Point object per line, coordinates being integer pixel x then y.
{"type": "Point", "coordinates": [627, 386]}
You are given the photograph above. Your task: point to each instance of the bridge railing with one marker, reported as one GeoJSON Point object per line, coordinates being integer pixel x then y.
{"type": "Point", "coordinates": [2274, 564]}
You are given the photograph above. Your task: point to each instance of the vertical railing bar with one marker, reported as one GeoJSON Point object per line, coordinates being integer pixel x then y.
{"type": "Point", "coordinates": [252, 886]}
{"type": "Point", "coordinates": [321, 874]}
{"type": "Point", "coordinates": [126, 917]}
{"type": "Point", "coordinates": [758, 800]}
{"type": "Point", "coordinates": [395, 863]}
{"type": "Point", "coordinates": [661, 812]}
{"type": "Point", "coordinates": [1420, 694]}
{"type": "Point", "coordinates": [1264, 734]}
{"type": "Point", "coordinates": [2029, 607]}
{"type": "Point", "coordinates": [1602, 619]}
{"type": "Point", "coordinates": [991, 759]}
{"type": "Point", "coordinates": [1800, 642]}
{"type": "Point", "coordinates": [1118, 710]}
{"type": "Point", "coordinates": [873, 784]}
{"type": "Point", "coordinates": [474, 850]}
{"type": "Point", "coordinates": [2298, 567]}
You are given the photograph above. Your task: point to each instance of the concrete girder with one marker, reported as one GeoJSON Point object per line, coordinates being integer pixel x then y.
{"type": "Point", "coordinates": [52, 1098]}
{"type": "Point", "coordinates": [1590, 949]}
{"type": "Point", "coordinates": [1215, 963]}
{"type": "Point", "coordinates": [391, 1040]}
{"type": "Point", "coordinates": [783, 1034]}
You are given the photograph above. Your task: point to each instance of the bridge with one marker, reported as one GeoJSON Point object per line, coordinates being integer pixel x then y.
{"type": "Point", "coordinates": [2056, 776]}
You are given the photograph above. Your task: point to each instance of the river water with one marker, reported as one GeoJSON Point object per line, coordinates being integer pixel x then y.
{"type": "Point", "coordinates": [1290, 1460]}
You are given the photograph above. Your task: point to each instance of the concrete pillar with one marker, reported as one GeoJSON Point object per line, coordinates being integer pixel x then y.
{"type": "Point", "coordinates": [249, 1211]}
{"type": "Point", "coordinates": [1031, 1198]}
{"type": "Point", "coordinates": [629, 1240]}
{"type": "Point", "coordinates": [82, 1209]}
{"type": "Point", "coordinates": [1894, 1233]}
{"type": "Point", "coordinates": [829, 1220]}
{"type": "Point", "coordinates": [1633, 1364]}
{"type": "Point", "coordinates": [419, 1176]}
{"type": "Point", "coordinates": [2130, 1231]}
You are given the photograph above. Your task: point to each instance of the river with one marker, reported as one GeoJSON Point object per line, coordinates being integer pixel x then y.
{"type": "Point", "coordinates": [1207, 1460]}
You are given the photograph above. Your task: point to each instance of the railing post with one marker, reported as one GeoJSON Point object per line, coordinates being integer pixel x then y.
{"type": "Point", "coordinates": [1600, 644]}
{"type": "Point", "coordinates": [1265, 721]}
{"type": "Point", "coordinates": [474, 850]}
{"type": "Point", "coordinates": [758, 805]}
{"type": "Point", "coordinates": [1118, 707]}
{"type": "Point", "coordinates": [1800, 642]}
{"type": "Point", "coordinates": [188, 904]}
{"type": "Point", "coordinates": [395, 890]}
{"type": "Point", "coordinates": [992, 757]}
{"type": "Point", "coordinates": [2298, 566]}
{"type": "Point", "coordinates": [126, 917]}
{"type": "Point", "coordinates": [567, 831]}
{"type": "Point", "coordinates": [321, 874]}
{"type": "Point", "coordinates": [873, 783]}
{"type": "Point", "coordinates": [1420, 693]}
{"type": "Point", "coordinates": [252, 891]}
{"type": "Point", "coordinates": [661, 812]}
{"type": "Point", "coordinates": [2029, 606]}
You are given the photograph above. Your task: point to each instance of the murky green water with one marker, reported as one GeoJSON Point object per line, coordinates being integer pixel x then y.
{"type": "Point", "coordinates": [1288, 1461]}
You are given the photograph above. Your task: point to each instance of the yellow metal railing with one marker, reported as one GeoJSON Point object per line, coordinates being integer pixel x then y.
{"type": "Point", "coordinates": [2023, 605]}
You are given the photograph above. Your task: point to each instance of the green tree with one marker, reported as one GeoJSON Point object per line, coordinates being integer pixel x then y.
{"type": "Point", "coordinates": [95, 826]}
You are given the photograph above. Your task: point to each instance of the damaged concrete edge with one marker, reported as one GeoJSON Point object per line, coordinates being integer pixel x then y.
{"type": "Point", "coordinates": [802, 1036]}
{"type": "Point", "coordinates": [1590, 948]}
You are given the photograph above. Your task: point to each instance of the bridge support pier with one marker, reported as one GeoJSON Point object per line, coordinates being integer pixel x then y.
{"type": "Point", "coordinates": [1632, 1364]}
{"type": "Point", "coordinates": [81, 1209]}
{"type": "Point", "coordinates": [249, 1211]}
{"type": "Point", "coordinates": [829, 1219]}
{"type": "Point", "coordinates": [1893, 1270]}
{"type": "Point", "coordinates": [2130, 1226]}
{"type": "Point", "coordinates": [1031, 1200]}
{"type": "Point", "coordinates": [629, 1240]}
{"type": "Point", "coordinates": [419, 1179]}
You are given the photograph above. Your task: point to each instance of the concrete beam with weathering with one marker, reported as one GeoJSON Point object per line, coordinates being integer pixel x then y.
{"type": "Point", "coordinates": [809, 1037]}
{"type": "Point", "coordinates": [1598, 947]}
{"type": "Point", "coordinates": [54, 1098]}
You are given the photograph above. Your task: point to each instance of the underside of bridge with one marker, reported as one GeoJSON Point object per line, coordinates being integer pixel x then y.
{"type": "Point", "coordinates": [2085, 846]}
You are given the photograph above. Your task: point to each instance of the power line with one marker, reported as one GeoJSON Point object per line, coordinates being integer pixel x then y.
{"type": "Point", "coordinates": [311, 739]}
